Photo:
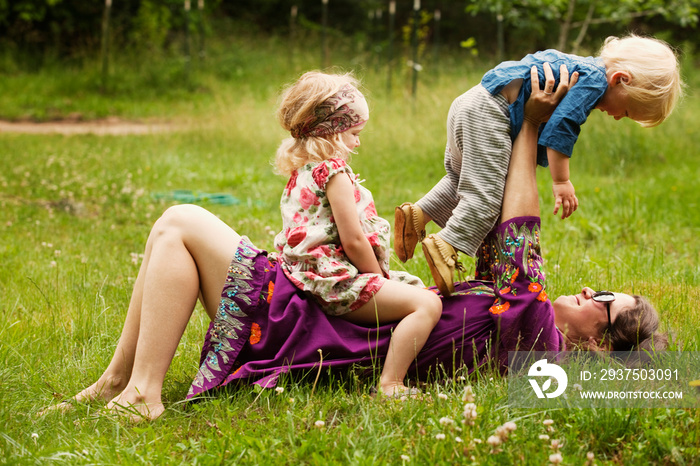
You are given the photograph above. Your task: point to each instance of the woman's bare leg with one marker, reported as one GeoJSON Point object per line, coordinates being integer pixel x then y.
{"type": "Point", "coordinates": [187, 255]}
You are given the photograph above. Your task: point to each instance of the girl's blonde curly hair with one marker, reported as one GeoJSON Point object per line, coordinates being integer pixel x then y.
{"type": "Point", "coordinates": [298, 104]}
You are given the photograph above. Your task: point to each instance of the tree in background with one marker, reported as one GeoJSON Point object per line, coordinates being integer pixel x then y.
{"type": "Point", "coordinates": [31, 30]}
{"type": "Point", "coordinates": [523, 18]}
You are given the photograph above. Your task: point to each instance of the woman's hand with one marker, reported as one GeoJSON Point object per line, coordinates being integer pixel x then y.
{"type": "Point", "coordinates": [542, 102]}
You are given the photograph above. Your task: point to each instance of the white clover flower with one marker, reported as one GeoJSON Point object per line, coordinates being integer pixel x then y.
{"type": "Point", "coordinates": [319, 424]}
{"type": "Point", "coordinates": [556, 444]}
{"type": "Point", "coordinates": [458, 439]}
{"type": "Point", "coordinates": [405, 458]}
{"type": "Point", "coordinates": [544, 437]}
{"type": "Point", "coordinates": [510, 426]}
{"type": "Point", "coordinates": [494, 441]}
{"type": "Point", "coordinates": [35, 436]}
{"type": "Point", "coordinates": [442, 396]}
{"type": "Point", "coordinates": [468, 395]}
{"type": "Point", "coordinates": [548, 422]}
{"type": "Point", "coordinates": [279, 389]}
{"type": "Point", "coordinates": [440, 437]}
{"type": "Point", "coordinates": [446, 421]}
{"type": "Point", "coordinates": [469, 413]}
{"type": "Point", "coordinates": [590, 456]}
{"type": "Point", "coordinates": [577, 386]}
{"type": "Point", "coordinates": [555, 458]}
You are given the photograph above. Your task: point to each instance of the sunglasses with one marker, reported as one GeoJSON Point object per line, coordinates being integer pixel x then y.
{"type": "Point", "coordinates": [605, 297]}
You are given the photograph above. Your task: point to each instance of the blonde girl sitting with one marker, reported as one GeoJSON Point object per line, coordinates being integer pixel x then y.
{"type": "Point", "coordinates": [333, 245]}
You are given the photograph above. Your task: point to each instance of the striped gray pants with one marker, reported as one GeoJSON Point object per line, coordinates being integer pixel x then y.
{"type": "Point", "coordinates": [466, 202]}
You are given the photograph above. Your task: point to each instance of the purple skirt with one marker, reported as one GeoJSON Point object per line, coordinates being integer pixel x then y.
{"type": "Point", "coordinates": [265, 327]}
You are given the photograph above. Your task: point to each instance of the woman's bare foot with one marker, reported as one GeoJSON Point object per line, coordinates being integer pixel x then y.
{"type": "Point", "coordinates": [102, 390]}
{"type": "Point", "coordinates": [135, 406]}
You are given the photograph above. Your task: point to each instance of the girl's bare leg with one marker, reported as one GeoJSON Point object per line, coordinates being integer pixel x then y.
{"type": "Point", "coordinates": [418, 310]}
{"type": "Point", "coordinates": [187, 255]}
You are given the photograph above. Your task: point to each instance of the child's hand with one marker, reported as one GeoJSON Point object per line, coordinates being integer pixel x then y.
{"type": "Point", "coordinates": [564, 197]}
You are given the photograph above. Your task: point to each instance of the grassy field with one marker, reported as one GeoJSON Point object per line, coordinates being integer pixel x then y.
{"type": "Point", "coordinates": [76, 210]}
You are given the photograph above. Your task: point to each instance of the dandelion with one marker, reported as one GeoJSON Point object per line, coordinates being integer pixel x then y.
{"type": "Point", "coordinates": [468, 395]}
{"type": "Point", "coordinates": [440, 437]}
{"type": "Point", "coordinates": [319, 424]}
{"type": "Point", "coordinates": [446, 421]}
{"type": "Point", "coordinates": [555, 458]}
{"type": "Point", "coordinates": [279, 390]}
{"type": "Point", "coordinates": [442, 396]}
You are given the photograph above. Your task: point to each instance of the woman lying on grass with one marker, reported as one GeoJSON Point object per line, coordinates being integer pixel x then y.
{"type": "Point", "coordinates": [263, 326]}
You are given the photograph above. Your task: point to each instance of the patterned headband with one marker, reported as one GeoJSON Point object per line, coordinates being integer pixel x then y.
{"type": "Point", "coordinates": [340, 112]}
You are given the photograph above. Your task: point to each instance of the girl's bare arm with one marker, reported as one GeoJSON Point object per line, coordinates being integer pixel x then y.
{"type": "Point", "coordinates": [341, 195]}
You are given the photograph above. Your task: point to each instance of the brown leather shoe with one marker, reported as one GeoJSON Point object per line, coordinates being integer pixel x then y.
{"type": "Point", "coordinates": [442, 260]}
{"type": "Point", "coordinates": [409, 229]}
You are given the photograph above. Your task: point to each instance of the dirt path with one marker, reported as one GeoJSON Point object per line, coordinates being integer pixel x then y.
{"type": "Point", "coordinates": [108, 126]}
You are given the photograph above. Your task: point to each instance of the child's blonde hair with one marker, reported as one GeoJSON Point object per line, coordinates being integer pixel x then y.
{"type": "Point", "coordinates": [655, 84]}
{"type": "Point", "coordinates": [298, 104]}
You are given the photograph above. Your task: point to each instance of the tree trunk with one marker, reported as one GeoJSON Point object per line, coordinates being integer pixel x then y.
{"type": "Point", "coordinates": [566, 26]}
{"type": "Point", "coordinates": [584, 27]}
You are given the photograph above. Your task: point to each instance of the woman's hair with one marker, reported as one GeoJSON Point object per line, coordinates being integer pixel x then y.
{"type": "Point", "coordinates": [297, 106]}
{"type": "Point", "coordinates": [635, 329]}
{"type": "Point", "coordinates": [655, 85]}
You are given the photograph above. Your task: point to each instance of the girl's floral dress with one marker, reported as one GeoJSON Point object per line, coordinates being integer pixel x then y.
{"type": "Point", "coordinates": [309, 248]}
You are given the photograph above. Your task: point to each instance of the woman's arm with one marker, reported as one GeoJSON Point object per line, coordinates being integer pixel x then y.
{"type": "Point", "coordinates": [341, 195]}
{"type": "Point", "coordinates": [520, 197]}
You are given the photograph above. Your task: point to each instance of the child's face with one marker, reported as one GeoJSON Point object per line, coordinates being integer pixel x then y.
{"type": "Point", "coordinates": [616, 103]}
{"type": "Point", "coordinates": [351, 137]}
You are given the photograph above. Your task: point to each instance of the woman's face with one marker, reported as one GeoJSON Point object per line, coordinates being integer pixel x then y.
{"type": "Point", "coordinates": [579, 317]}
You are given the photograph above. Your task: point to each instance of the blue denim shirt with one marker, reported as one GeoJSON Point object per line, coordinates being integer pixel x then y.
{"type": "Point", "coordinates": [561, 131]}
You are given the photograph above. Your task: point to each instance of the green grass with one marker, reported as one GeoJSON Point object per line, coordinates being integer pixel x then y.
{"type": "Point", "coordinates": [75, 212]}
